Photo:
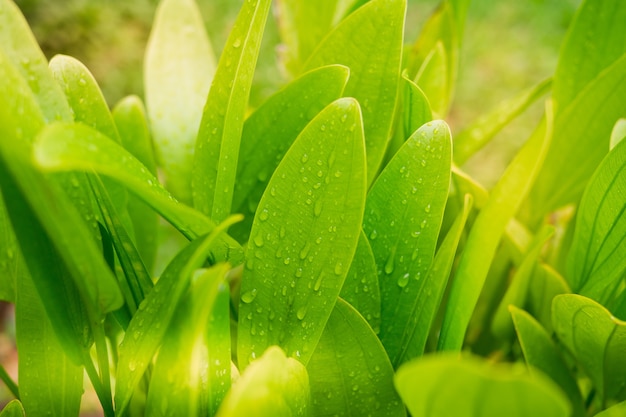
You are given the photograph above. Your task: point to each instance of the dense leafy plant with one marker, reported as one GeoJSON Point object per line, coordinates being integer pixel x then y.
{"type": "Point", "coordinates": [339, 261]}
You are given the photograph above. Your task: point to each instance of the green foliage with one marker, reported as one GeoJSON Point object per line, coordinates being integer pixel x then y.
{"type": "Point", "coordinates": [334, 246]}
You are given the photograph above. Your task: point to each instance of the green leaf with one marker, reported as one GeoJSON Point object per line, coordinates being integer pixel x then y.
{"type": "Point", "coordinates": [217, 147]}
{"type": "Point", "coordinates": [594, 41]}
{"type": "Point", "coordinates": [517, 291]}
{"type": "Point", "coordinates": [361, 385]}
{"type": "Point", "coordinates": [369, 42]}
{"type": "Point", "coordinates": [446, 385]}
{"type": "Point", "coordinates": [184, 357]}
{"type": "Point", "coordinates": [581, 140]}
{"type": "Point", "coordinates": [433, 79]}
{"type": "Point", "coordinates": [617, 410]}
{"type": "Point", "coordinates": [360, 289]}
{"type": "Point", "coordinates": [541, 353]}
{"type": "Point", "coordinates": [272, 386]}
{"type": "Point", "coordinates": [428, 302]}
{"type": "Point", "coordinates": [66, 147]}
{"type": "Point", "coordinates": [417, 109]}
{"type": "Point", "coordinates": [130, 119]}
{"type": "Point", "coordinates": [402, 220]}
{"type": "Point", "coordinates": [50, 383]}
{"type": "Point", "coordinates": [179, 65]}
{"type": "Point", "coordinates": [594, 262]}
{"type": "Point", "coordinates": [11, 264]}
{"type": "Point", "coordinates": [300, 253]}
{"type": "Point", "coordinates": [19, 45]}
{"type": "Point", "coordinates": [618, 133]}
{"type": "Point", "coordinates": [546, 284]}
{"type": "Point", "coordinates": [486, 233]}
{"type": "Point", "coordinates": [13, 409]}
{"type": "Point", "coordinates": [596, 339]}
{"type": "Point", "coordinates": [480, 132]}
{"type": "Point", "coordinates": [148, 326]}
{"type": "Point", "coordinates": [272, 128]}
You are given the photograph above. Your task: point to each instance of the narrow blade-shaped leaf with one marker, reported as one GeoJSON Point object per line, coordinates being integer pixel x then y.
{"type": "Point", "coordinates": [176, 383]}
{"type": "Point", "coordinates": [272, 386]}
{"type": "Point", "coordinates": [596, 259]}
{"type": "Point", "coordinates": [217, 146]}
{"type": "Point", "coordinates": [362, 385]}
{"type": "Point", "coordinates": [272, 128]}
{"type": "Point", "coordinates": [360, 289]}
{"type": "Point", "coordinates": [596, 339]}
{"type": "Point", "coordinates": [19, 45]}
{"type": "Point", "coordinates": [486, 232]}
{"type": "Point", "coordinates": [373, 34]}
{"type": "Point", "coordinates": [480, 132]}
{"type": "Point", "coordinates": [402, 220]}
{"type": "Point", "coordinates": [433, 79]}
{"type": "Point", "coordinates": [179, 66]}
{"type": "Point", "coordinates": [545, 285]}
{"type": "Point", "coordinates": [541, 353]}
{"type": "Point", "coordinates": [11, 263]}
{"type": "Point", "coordinates": [148, 326]}
{"type": "Point", "coordinates": [300, 253]}
{"type": "Point", "coordinates": [418, 328]}
{"type": "Point", "coordinates": [446, 385]}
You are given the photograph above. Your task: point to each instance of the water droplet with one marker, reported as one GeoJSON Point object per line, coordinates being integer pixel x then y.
{"type": "Point", "coordinates": [423, 162]}
{"type": "Point", "coordinates": [318, 282]}
{"type": "Point", "coordinates": [338, 268]}
{"type": "Point", "coordinates": [264, 215]}
{"type": "Point", "coordinates": [132, 365]}
{"type": "Point", "coordinates": [299, 273]}
{"type": "Point", "coordinates": [282, 232]}
{"type": "Point", "coordinates": [82, 82]}
{"type": "Point", "coordinates": [320, 174]}
{"type": "Point", "coordinates": [258, 240]}
{"type": "Point", "coordinates": [403, 281]}
{"type": "Point", "coordinates": [423, 225]}
{"type": "Point", "coordinates": [317, 209]}
{"type": "Point", "coordinates": [427, 208]}
{"type": "Point", "coordinates": [273, 191]}
{"type": "Point", "coordinates": [374, 234]}
{"type": "Point", "coordinates": [286, 261]}
{"type": "Point", "coordinates": [237, 43]}
{"type": "Point", "coordinates": [249, 296]}
{"type": "Point", "coordinates": [389, 265]}
{"type": "Point", "coordinates": [323, 128]}
{"type": "Point", "coordinates": [305, 250]}
{"type": "Point", "coordinates": [305, 158]}
{"type": "Point", "coordinates": [301, 313]}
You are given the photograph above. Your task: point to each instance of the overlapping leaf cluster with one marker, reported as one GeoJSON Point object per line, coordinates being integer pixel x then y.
{"type": "Point", "coordinates": [339, 258]}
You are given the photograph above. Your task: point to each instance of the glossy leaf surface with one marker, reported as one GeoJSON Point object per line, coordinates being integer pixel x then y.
{"type": "Point", "coordinates": [304, 236]}
{"type": "Point", "coordinates": [217, 147]}
{"type": "Point", "coordinates": [373, 34]}
{"type": "Point", "coordinates": [13, 409]}
{"type": "Point", "coordinates": [179, 65]}
{"type": "Point", "coordinates": [402, 220]}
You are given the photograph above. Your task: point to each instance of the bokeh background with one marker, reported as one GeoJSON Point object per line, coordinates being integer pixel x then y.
{"type": "Point", "coordinates": [508, 46]}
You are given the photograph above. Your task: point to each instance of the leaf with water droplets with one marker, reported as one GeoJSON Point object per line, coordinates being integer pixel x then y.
{"type": "Point", "coordinates": [179, 65]}
{"type": "Point", "coordinates": [183, 374]}
{"type": "Point", "coordinates": [272, 386]}
{"type": "Point", "coordinates": [300, 267]}
{"type": "Point", "coordinates": [360, 288]}
{"type": "Point", "coordinates": [217, 146]}
{"type": "Point", "coordinates": [369, 42]}
{"type": "Point", "coordinates": [270, 131]}
{"type": "Point", "coordinates": [446, 385]}
{"type": "Point", "coordinates": [350, 371]}
{"type": "Point", "coordinates": [148, 326]}
{"type": "Point", "coordinates": [130, 119]}
{"type": "Point", "coordinates": [405, 209]}
{"type": "Point", "coordinates": [596, 339]}
{"type": "Point", "coordinates": [485, 235]}
{"type": "Point", "coordinates": [67, 147]}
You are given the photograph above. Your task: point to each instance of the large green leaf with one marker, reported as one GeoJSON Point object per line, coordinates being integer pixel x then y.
{"type": "Point", "coordinates": [581, 139]}
{"type": "Point", "coordinates": [596, 259]}
{"type": "Point", "coordinates": [148, 326]}
{"type": "Point", "coordinates": [217, 147]}
{"type": "Point", "coordinates": [272, 128]}
{"type": "Point", "coordinates": [482, 130]}
{"type": "Point", "coordinates": [19, 45]}
{"type": "Point", "coordinates": [360, 289]}
{"type": "Point", "coordinates": [304, 237]}
{"type": "Point", "coordinates": [486, 233]}
{"type": "Point", "coordinates": [402, 220]}
{"type": "Point", "coordinates": [369, 42]}
{"type": "Point", "coordinates": [541, 353]}
{"type": "Point", "coordinates": [349, 371]}
{"type": "Point", "coordinates": [596, 339]}
{"type": "Point", "coordinates": [130, 119]}
{"type": "Point", "coordinates": [272, 386]}
{"type": "Point", "coordinates": [50, 383]}
{"type": "Point", "coordinates": [446, 385]}
{"type": "Point", "coordinates": [66, 147]}
{"type": "Point", "coordinates": [179, 65]}
{"type": "Point", "coordinates": [594, 41]}
{"type": "Point", "coordinates": [183, 361]}
{"type": "Point", "coordinates": [421, 318]}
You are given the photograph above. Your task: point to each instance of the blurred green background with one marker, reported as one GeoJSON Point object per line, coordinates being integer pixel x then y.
{"type": "Point", "coordinates": [508, 46]}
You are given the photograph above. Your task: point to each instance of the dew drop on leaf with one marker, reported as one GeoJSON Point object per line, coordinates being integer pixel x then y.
{"type": "Point", "coordinates": [301, 313]}
{"type": "Point", "coordinates": [403, 281]}
{"type": "Point", "coordinates": [249, 296]}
